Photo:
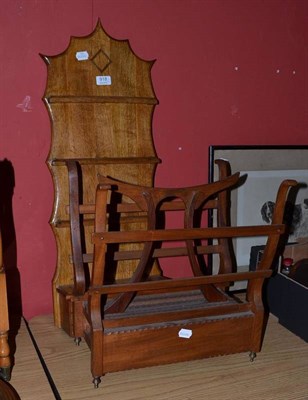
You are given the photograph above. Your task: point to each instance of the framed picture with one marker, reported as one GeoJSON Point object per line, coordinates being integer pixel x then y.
{"type": "Point", "coordinates": [252, 202]}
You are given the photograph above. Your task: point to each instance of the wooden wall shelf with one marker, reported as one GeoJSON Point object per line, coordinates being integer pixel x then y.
{"type": "Point", "coordinates": [106, 127]}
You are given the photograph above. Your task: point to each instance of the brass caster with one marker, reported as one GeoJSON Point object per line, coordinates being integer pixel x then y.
{"type": "Point", "coordinates": [5, 373]}
{"type": "Point", "coordinates": [96, 382]}
{"type": "Point", "coordinates": [252, 356]}
{"type": "Point", "coordinates": [77, 341]}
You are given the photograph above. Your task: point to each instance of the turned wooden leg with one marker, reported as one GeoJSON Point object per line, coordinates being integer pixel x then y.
{"type": "Point", "coordinates": [5, 362]}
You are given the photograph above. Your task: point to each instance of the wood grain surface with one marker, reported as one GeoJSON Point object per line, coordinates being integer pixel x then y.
{"type": "Point", "coordinates": [28, 377]}
{"type": "Point", "coordinates": [106, 128]}
{"type": "Point", "coordinates": [280, 371]}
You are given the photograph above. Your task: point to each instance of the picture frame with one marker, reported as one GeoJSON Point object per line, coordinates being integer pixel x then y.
{"type": "Point", "coordinates": [265, 168]}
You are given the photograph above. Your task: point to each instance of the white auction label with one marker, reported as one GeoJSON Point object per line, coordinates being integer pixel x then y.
{"type": "Point", "coordinates": [103, 80]}
{"type": "Point", "coordinates": [82, 55]}
{"type": "Point", "coordinates": [185, 333]}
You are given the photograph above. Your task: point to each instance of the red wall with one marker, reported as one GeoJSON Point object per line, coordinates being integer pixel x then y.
{"type": "Point", "coordinates": [227, 72]}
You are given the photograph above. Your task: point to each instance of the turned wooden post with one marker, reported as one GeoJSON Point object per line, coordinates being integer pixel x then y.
{"type": "Point", "coordinates": [5, 362]}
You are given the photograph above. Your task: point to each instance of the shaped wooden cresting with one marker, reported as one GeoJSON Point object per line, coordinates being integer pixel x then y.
{"type": "Point", "coordinates": [100, 100]}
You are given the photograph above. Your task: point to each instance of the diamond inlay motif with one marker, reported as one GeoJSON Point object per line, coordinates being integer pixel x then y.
{"type": "Point", "coordinates": [101, 60]}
